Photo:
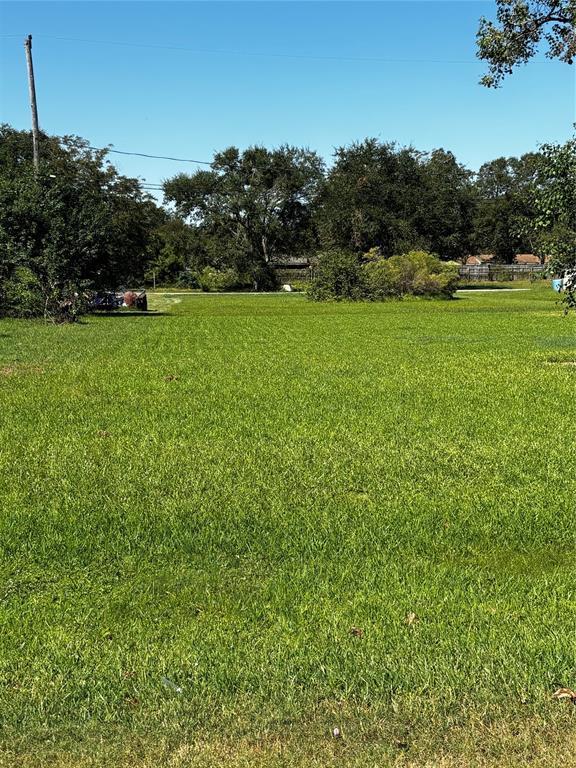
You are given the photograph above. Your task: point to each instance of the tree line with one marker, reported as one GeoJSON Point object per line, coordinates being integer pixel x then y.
{"type": "Point", "coordinates": [78, 224]}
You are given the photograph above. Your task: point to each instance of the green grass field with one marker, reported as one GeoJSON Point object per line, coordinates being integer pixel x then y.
{"type": "Point", "coordinates": [239, 522]}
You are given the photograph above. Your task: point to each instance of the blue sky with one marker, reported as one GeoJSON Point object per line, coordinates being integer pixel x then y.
{"type": "Point", "coordinates": [316, 74]}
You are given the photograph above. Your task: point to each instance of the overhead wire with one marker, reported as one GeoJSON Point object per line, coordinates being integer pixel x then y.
{"type": "Point", "coordinates": [233, 53]}
{"type": "Point", "coordinates": [258, 54]}
{"type": "Point", "coordinates": [155, 157]}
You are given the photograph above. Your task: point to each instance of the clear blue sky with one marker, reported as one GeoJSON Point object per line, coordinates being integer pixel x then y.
{"type": "Point", "coordinates": [250, 76]}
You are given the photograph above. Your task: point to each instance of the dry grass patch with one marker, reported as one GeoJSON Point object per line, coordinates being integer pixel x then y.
{"type": "Point", "coordinates": [16, 369]}
{"type": "Point", "coordinates": [476, 743]}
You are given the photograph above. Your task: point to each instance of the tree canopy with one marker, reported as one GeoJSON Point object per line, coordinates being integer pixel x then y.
{"type": "Point", "coordinates": [521, 26]}
{"type": "Point", "coordinates": [77, 222]}
{"type": "Point", "coordinates": [396, 199]}
{"type": "Point", "coordinates": [554, 222]}
{"type": "Point", "coordinates": [259, 201]}
{"type": "Point", "coordinates": [505, 201]}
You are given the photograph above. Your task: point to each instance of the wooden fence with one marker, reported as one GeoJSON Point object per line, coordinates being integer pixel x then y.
{"type": "Point", "coordinates": [498, 272]}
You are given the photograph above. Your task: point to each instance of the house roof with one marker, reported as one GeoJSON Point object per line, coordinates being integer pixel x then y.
{"type": "Point", "coordinates": [526, 258]}
{"type": "Point", "coordinates": [473, 261]}
{"type": "Point", "coordinates": [486, 257]}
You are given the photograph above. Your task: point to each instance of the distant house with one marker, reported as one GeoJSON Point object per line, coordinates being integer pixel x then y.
{"type": "Point", "coordinates": [526, 258]}
{"type": "Point", "coordinates": [481, 258]}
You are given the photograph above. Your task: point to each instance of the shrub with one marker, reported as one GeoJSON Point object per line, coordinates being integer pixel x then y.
{"type": "Point", "coordinates": [382, 280]}
{"type": "Point", "coordinates": [300, 285]}
{"type": "Point", "coordinates": [416, 273]}
{"type": "Point", "coordinates": [20, 295]}
{"type": "Point", "coordinates": [344, 276]}
{"type": "Point", "coordinates": [187, 279]}
{"type": "Point", "coordinates": [337, 275]}
{"type": "Point", "coordinates": [211, 279]}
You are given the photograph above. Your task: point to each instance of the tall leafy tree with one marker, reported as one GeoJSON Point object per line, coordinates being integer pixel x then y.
{"type": "Point", "coordinates": [179, 251]}
{"type": "Point", "coordinates": [505, 190]}
{"type": "Point", "coordinates": [554, 222]}
{"type": "Point", "coordinates": [369, 196]}
{"type": "Point", "coordinates": [395, 199]}
{"type": "Point", "coordinates": [445, 206]}
{"type": "Point", "coordinates": [77, 221]}
{"type": "Point", "coordinates": [258, 202]}
{"type": "Point", "coordinates": [521, 26]}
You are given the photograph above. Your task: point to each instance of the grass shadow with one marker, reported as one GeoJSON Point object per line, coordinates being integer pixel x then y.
{"type": "Point", "coordinates": [149, 313]}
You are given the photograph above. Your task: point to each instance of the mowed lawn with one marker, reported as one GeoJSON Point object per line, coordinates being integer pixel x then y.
{"type": "Point", "coordinates": [239, 522]}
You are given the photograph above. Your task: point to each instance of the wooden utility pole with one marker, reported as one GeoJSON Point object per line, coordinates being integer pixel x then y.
{"type": "Point", "coordinates": [32, 88]}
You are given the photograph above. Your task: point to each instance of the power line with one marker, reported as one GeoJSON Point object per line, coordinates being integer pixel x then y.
{"type": "Point", "coordinates": [155, 157]}
{"type": "Point", "coordinates": [259, 54]}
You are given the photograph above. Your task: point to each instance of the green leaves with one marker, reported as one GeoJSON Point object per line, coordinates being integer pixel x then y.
{"type": "Point", "coordinates": [396, 199]}
{"type": "Point", "coordinates": [521, 26]}
{"type": "Point", "coordinates": [340, 275]}
{"type": "Point", "coordinates": [261, 201]}
{"type": "Point", "coordinates": [554, 225]}
{"type": "Point", "coordinates": [76, 221]}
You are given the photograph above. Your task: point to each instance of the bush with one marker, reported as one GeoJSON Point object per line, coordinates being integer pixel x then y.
{"type": "Point", "coordinates": [300, 285]}
{"type": "Point", "coordinates": [416, 273]}
{"type": "Point", "coordinates": [211, 279]}
{"type": "Point", "coordinates": [421, 274]}
{"type": "Point", "coordinates": [337, 275]}
{"type": "Point", "coordinates": [344, 276]}
{"type": "Point", "coordinates": [187, 279]}
{"type": "Point", "coordinates": [20, 295]}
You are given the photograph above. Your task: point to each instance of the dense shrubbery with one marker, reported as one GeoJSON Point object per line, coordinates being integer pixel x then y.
{"type": "Point", "coordinates": [416, 273]}
{"type": "Point", "coordinates": [260, 278]}
{"type": "Point", "coordinates": [211, 279]}
{"type": "Point", "coordinates": [73, 224]}
{"type": "Point", "coordinates": [337, 275]}
{"type": "Point", "coordinates": [20, 294]}
{"type": "Point", "coordinates": [341, 275]}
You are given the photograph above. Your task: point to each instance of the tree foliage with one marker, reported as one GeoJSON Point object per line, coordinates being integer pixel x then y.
{"type": "Point", "coordinates": [260, 202]}
{"type": "Point", "coordinates": [396, 199]}
{"type": "Point", "coordinates": [521, 26]}
{"type": "Point", "coordinates": [77, 222]}
{"type": "Point", "coordinates": [444, 206]}
{"type": "Point", "coordinates": [554, 223]}
{"type": "Point", "coordinates": [367, 197]}
{"type": "Point", "coordinates": [178, 253]}
{"type": "Point", "coordinates": [505, 192]}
